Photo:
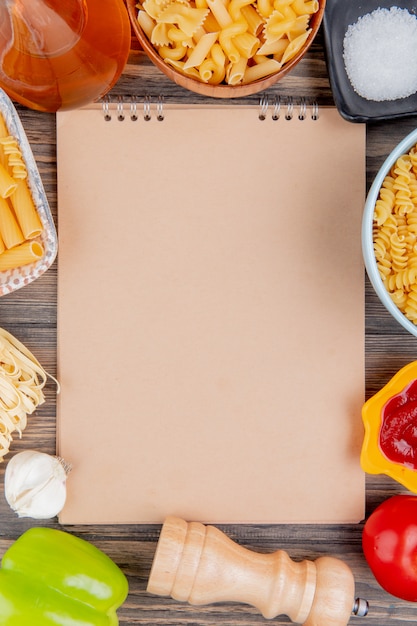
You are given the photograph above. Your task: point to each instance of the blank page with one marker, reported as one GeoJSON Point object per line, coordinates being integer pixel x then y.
{"type": "Point", "coordinates": [211, 316]}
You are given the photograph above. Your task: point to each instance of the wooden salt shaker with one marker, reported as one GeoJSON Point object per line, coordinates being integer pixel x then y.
{"type": "Point", "coordinates": [199, 564]}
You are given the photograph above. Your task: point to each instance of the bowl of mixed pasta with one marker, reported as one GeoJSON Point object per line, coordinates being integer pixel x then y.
{"type": "Point", "coordinates": [225, 48]}
{"type": "Point", "coordinates": [389, 233]}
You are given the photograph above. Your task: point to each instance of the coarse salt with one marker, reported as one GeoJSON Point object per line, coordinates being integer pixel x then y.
{"type": "Point", "coordinates": [380, 54]}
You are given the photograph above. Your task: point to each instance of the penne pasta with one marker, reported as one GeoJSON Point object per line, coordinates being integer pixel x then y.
{"type": "Point", "coordinates": [146, 23]}
{"type": "Point", "coordinates": [301, 7]}
{"type": "Point", "coordinates": [226, 39]}
{"type": "Point", "coordinates": [206, 39]}
{"type": "Point", "coordinates": [260, 70]}
{"type": "Point", "coordinates": [218, 56]}
{"type": "Point", "coordinates": [9, 228]}
{"type": "Point", "coordinates": [25, 211]}
{"type": "Point", "coordinates": [201, 50]}
{"type": "Point", "coordinates": [235, 8]}
{"type": "Point", "coordinates": [247, 44]}
{"type": "Point", "coordinates": [236, 71]}
{"type": "Point", "coordinates": [23, 254]}
{"type": "Point", "coordinates": [220, 13]}
{"type": "Point", "coordinates": [253, 19]}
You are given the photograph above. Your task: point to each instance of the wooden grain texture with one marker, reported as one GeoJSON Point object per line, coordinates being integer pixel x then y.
{"type": "Point", "coordinates": [30, 314]}
{"type": "Point", "coordinates": [223, 90]}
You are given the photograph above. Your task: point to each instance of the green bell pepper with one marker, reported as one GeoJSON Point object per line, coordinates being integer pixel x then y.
{"type": "Point", "coordinates": [49, 577]}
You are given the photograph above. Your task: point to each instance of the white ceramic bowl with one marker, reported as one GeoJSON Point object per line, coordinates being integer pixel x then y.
{"type": "Point", "coordinates": [367, 240]}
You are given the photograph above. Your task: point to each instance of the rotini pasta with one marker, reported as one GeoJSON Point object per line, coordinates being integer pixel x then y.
{"type": "Point", "coordinates": [257, 37]}
{"type": "Point", "coordinates": [395, 233]}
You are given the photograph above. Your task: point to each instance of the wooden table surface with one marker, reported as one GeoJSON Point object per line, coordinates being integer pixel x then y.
{"type": "Point", "coordinates": [30, 314]}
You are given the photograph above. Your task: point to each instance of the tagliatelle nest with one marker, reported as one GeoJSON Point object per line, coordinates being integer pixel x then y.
{"type": "Point", "coordinates": [22, 379]}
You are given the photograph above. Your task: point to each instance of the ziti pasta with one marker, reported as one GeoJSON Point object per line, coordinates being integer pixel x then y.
{"type": "Point", "coordinates": [20, 223]}
{"type": "Point", "coordinates": [227, 41]}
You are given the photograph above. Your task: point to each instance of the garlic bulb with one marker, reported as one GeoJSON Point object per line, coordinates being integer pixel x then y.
{"type": "Point", "coordinates": [35, 484]}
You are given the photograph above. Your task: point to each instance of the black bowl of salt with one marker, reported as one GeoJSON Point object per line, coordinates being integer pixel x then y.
{"type": "Point", "coordinates": [371, 56]}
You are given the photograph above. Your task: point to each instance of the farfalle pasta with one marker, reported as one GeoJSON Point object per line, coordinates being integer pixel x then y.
{"type": "Point", "coordinates": [395, 233]}
{"type": "Point", "coordinates": [227, 41]}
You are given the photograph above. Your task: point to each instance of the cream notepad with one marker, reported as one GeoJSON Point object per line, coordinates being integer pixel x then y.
{"type": "Point", "coordinates": [210, 316]}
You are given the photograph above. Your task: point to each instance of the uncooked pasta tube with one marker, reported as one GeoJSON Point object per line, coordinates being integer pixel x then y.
{"type": "Point", "coordinates": [9, 228]}
{"type": "Point", "coordinates": [25, 211]}
{"type": "Point", "coordinates": [25, 253]}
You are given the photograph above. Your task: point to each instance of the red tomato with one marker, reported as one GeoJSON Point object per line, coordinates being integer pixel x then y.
{"type": "Point", "coordinates": [389, 543]}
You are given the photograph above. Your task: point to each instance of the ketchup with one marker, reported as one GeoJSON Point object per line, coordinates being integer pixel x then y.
{"type": "Point", "coordinates": [398, 432]}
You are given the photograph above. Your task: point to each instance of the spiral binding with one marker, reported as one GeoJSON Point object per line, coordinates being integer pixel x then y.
{"type": "Point", "coordinates": [130, 108]}
{"type": "Point", "coordinates": [277, 106]}
{"type": "Point", "coordinates": [287, 108]}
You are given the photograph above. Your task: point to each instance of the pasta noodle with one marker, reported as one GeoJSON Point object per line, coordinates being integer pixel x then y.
{"type": "Point", "coordinates": [220, 13]}
{"type": "Point", "coordinates": [254, 72]}
{"type": "Point", "coordinates": [146, 23]}
{"type": "Point", "coordinates": [264, 7]}
{"type": "Point", "coordinates": [247, 44]}
{"type": "Point", "coordinates": [22, 254]}
{"type": "Point", "coordinates": [22, 379]}
{"type": "Point", "coordinates": [188, 19]}
{"type": "Point", "coordinates": [235, 8]}
{"type": "Point", "coordinates": [237, 71]}
{"type": "Point", "coordinates": [7, 183]}
{"type": "Point", "coordinates": [253, 19]}
{"type": "Point", "coordinates": [226, 39]}
{"type": "Point", "coordinates": [265, 33]}
{"type": "Point", "coordinates": [395, 233]}
{"type": "Point", "coordinates": [201, 50]}
{"type": "Point", "coordinates": [20, 223]}
{"type": "Point", "coordinates": [294, 47]}
{"type": "Point", "coordinates": [305, 6]}
{"type": "Point", "coordinates": [3, 128]}
{"type": "Point", "coordinates": [13, 157]}
{"type": "Point", "coordinates": [9, 228]}
{"type": "Point", "coordinates": [25, 211]}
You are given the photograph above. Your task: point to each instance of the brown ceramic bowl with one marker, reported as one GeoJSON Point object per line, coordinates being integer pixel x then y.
{"type": "Point", "coordinates": [222, 90]}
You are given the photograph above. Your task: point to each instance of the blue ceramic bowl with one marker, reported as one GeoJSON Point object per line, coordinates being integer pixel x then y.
{"type": "Point", "coordinates": [367, 239]}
